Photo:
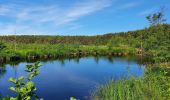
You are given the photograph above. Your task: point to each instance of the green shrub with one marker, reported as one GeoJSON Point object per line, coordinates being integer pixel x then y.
{"type": "Point", "coordinates": [24, 87]}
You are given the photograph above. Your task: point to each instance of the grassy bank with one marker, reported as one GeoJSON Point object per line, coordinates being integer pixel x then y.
{"type": "Point", "coordinates": [154, 85]}
{"type": "Point", "coordinates": [37, 51]}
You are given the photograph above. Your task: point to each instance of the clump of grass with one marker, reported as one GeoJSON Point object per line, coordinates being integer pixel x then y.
{"type": "Point", "coordinates": [149, 87]}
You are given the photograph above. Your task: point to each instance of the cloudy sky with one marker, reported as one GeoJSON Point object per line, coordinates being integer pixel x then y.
{"type": "Point", "coordinates": [76, 17]}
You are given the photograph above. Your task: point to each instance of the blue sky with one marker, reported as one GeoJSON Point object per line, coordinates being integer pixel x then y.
{"type": "Point", "coordinates": [76, 17]}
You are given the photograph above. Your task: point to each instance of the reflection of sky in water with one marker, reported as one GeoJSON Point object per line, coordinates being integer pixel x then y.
{"type": "Point", "coordinates": [60, 79]}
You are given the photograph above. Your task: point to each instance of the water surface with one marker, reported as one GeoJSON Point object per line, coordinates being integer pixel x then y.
{"type": "Point", "coordinates": [61, 79]}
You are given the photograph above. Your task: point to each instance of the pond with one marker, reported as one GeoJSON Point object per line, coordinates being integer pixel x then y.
{"type": "Point", "coordinates": [78, 77]}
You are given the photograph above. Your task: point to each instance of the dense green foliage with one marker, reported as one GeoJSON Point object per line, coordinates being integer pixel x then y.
{"type": "Point", "coordinates": [131, 38]}
{"type": "Point", "coordinates": [2, 46]}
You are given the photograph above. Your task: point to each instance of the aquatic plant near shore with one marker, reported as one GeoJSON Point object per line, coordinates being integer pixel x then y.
{"type": "Point", "coordinates": [24, 87]}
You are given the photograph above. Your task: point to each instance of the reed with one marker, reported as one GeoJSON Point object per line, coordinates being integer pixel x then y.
{"type": "Point", "coordinates": [150, 87]}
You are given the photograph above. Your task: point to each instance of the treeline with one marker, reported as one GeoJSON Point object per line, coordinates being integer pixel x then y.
{"type": "Point", "coordinates": [152, 41]}
{"type": "Point", "coordinates": [154, 37]}
{"type": "Point", "coordinates": [83, 40]}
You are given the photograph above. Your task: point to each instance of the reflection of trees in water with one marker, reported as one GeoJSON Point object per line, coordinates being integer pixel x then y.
{"type": "Point", "coordinates": [46, 62]}
{"type": "Point", "coordinates": [77, 60]}
{"type": "Point", "coordinates": [62, 61]}
{"type": "Point", "coordinates": [110, 59]}
{"type": "Point", "coordinates": [15, 70]}
{"type": "Point", "coordinates": [143, 60]}
{"type": "Point", "coordinates": [2, 70]}
{"type": "Point", "coordinates": [14, 65]}
{"type": "Point", "coordinates": [140, 62]}
{"type": "Point", "coordinates": [96, 59]}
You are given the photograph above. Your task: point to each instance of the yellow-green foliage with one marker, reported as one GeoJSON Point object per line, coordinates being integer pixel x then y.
{"type": "Point", "coordinates": [58, 50]}
{"type": "Point", "coordinates": [24, 87]}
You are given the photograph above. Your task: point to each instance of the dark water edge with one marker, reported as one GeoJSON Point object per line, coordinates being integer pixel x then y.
{"type": "Point", "coordinates": [140, 59]}
{"type": "Point", "coordinates": [65, 77]}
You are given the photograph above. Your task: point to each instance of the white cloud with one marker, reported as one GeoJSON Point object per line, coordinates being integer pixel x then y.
{"type": "Point", "coordinates": [11, 29]}
{"type": "Point", "coordinates": [34, 19]}
{"type": "Point", "coordinates": [128, 5]}
{"type": "Point", "coordinates": [52, 15]}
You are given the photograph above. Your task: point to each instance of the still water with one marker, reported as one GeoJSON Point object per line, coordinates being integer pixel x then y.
{"type": "Point", "coordinates": [61, 79]}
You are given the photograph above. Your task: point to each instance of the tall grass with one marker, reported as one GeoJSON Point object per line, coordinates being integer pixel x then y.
{"type": "Point", "coordinates": [152, 86]}
{"type": "Point", "coordinates": [24, 51]}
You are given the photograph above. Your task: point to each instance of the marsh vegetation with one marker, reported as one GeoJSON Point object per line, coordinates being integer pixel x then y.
{"type": "Point", "coordinates": [152, 42]}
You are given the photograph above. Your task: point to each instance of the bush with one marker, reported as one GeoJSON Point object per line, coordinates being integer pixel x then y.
{"type": "Point", "coordinates": [24, 87]}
